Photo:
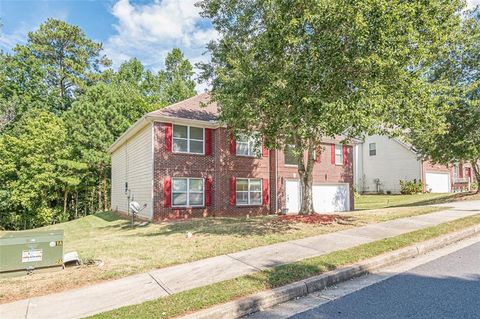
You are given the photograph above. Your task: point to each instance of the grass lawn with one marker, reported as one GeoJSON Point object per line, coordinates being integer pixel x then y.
{"type": "Point", "coordinates": [126, 251]}
{"type": "Point", "coordinates": [207, 296]}
{"type": "Point", "coordinates": [381, 201]}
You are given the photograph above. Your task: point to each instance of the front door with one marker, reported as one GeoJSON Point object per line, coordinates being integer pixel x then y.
{"type": "Point", "coordinates": [292, 191]}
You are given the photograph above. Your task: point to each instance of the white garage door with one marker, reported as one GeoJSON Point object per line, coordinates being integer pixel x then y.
{"type": "Point", "coordinates": [437, 182]}
{"type": "Point", "coordinates": [329, 198]}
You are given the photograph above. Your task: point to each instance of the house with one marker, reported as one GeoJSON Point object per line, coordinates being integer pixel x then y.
{"type": "Point", "coordinates": [181, 162]}
{"type": "Point", "coordinates": [381, 162]}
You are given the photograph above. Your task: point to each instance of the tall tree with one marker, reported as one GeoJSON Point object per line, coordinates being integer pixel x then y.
{"type": "Point", "coordinates": [178, 76]}
{"type": "Point", "coordinates": [70, 60]}
{"type": "Point", "coordinates": [95, 120]}
{"type": "Point", "coordinates": [298, 72]}
{"type": "Point", "coordinates": [29, 156]}
{"type": "Point", "coordinates": [459, 67]}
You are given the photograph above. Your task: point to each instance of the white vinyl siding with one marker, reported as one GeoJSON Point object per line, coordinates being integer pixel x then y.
{"type": "Point", "coordinates": [394, 162]}
{"type": "Point", "coordinates": [188, 139]}
{"type": "Point", "coordinates": [132, 163]}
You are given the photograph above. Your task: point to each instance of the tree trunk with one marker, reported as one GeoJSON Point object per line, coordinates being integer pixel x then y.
{"type": "Point", "coordinates": [99, 191]}
{"type": "Point", "coordinates": [306, 180]}
{"type": "Point", "coordinates": [76, 204]}
{"type": "Point", "coordinates": [476, 171]}
{"type": "Point", "coordinates": [65, 197]}
{"type": "Point", "coordinates": [105, 193]}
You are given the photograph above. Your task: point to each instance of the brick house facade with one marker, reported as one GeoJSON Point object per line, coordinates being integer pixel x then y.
{"type": "Point", "coordinates": [221, 170]}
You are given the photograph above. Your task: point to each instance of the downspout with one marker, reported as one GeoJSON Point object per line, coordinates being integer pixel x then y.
{"type": "Point", "coordinates": [276, 181]}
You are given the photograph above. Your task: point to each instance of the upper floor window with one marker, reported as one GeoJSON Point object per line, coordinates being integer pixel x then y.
{"type": "Point", "coordinates": [289, 155]}
{"type": "Point", "coordinates": [187, 192]}
{"type": "Point", "coordinates": [248, 191]}
{"type": "Point", "coordinates": [338, 154]}
{"type": "Point", "coordinates": [188, 139]}
{"type": "Point", "coordinates": [372, 149]}
{"type": "Point", "coordinates": [247, 145]}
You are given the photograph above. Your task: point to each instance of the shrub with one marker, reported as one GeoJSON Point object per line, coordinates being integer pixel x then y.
{"type": "Point", "coordinates": [411, 187]}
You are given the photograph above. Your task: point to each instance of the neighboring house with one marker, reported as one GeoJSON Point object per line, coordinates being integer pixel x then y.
{"type": "Point", "coordinates": [181, 163]}
{"type": "Point", "coordinates": [381, 162]}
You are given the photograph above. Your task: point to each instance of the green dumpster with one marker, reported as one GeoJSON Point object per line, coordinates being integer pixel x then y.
{"type": "Point", "coordinates": [24, 252]}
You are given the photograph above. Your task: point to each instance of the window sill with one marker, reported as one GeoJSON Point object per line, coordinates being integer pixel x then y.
{"type": "Point", "coordinates": [186, 153]}
{"type": "Point", "coordinates": [249, 205]}
{"type": "Point", "coordinates": [188, 207]}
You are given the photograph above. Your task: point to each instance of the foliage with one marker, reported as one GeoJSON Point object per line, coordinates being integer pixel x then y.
{"type": "Point", "coordinates": [61, 76]}
{"type": "Point", "coordinates": [69, 59]}
{"type": "Point", "coordinates": [300, 72]}
{"type": "Point", "coordinates": [411, 187]}
{"type": "Point", "coordinates": [29, 156]}
{"type": "Point", "coordinates": [459, 66]}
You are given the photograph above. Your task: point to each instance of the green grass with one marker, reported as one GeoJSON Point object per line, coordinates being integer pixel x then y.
{"type": "Point", "coordinates": [127, 251]}
{"type": "Point", "coordinates": [207, 296]}
{"type": "Point", "coordinates": [363, 202]}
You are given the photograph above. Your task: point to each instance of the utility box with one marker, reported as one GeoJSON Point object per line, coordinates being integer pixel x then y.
{"type": "Point", "coordinates": [23, 252]}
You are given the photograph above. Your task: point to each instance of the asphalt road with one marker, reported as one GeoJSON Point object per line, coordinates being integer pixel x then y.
{"type": "Point", "coordinates": [447, 287]}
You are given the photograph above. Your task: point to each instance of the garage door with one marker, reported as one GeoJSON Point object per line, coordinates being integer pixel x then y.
{"type": "Point", "coordinates": [437, 182]}
{"type": "Point", "coordinates": [329, 198]}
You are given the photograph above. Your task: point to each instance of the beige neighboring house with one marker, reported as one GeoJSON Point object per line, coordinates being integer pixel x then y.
{"type": "Point", "coordinates": [381, 162]}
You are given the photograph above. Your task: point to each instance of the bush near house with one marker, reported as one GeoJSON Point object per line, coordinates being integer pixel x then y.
{"type": "Point", "coordinates": [411, 187]}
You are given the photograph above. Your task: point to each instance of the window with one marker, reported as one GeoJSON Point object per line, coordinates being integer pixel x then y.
{"type": "Point", "coordinates": [289, 154]}
{"type": "Point", "coordinates": [247, 145]}
{"type": "Point", "coordinates": [248, 191]}
{"type": "Point", "coordinates": [187, 192]}
{"type": "Point", "coordinates": [338, 154]}
{"type": "Point", "coordinates": [188, 139]}
{"type": "Point", "coordinates": [372, 149]}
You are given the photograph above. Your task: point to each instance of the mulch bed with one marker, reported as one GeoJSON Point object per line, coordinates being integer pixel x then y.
{"type": "Point", "coordinates": [323, 219]}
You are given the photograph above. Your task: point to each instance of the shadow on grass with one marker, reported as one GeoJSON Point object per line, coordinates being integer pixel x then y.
{"type": "Point", "coordinates": [439, 200]}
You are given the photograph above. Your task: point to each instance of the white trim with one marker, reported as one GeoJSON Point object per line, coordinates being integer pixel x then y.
{"type": "Point", "coordinates": [342, 155]}
{"type": "Point", "coordinates": [188, 139]}
{"type": "Point", "coordinates": [248, 191]}
{"type": "Point", "coordinates": [188, 192]}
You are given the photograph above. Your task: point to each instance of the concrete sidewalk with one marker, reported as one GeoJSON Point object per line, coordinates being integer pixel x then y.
{"type": "Point", "coordinates": [159, 283]}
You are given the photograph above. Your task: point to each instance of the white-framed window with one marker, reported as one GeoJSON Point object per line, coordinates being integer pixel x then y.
{"type": "Point", "coordinates": [289, 155]}
{"type": "Point", "coordinates": [372, 149]}
{"type": "Point", "coordinates": [188, 192]}
{"type": "Point", "coordinates": [248, 191]}
{"type": "Point", "coordinates": [247, 145]}
{"type": "Point", "coordinates": [338, 154]}
{"type": "Point", "coordinates": [188, 139]}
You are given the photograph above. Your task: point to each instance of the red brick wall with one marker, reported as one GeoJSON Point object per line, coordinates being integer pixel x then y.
{"type": "Point", "coordinates": [324, 172]}
{"type": "Point", "coordinates": [221, 166]}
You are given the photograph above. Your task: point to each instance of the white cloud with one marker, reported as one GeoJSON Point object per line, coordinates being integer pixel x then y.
{"type": "Point", "coordinates": [150, 31]}
{"type": "Point", "coordinates": [472, 3]}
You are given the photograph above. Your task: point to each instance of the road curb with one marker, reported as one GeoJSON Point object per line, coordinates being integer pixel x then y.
{"type": "Point", "coordinates": [256, 302]}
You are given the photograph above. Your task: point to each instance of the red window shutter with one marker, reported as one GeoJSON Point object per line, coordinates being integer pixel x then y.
{"type": "Point", "coordinates": [345, 155]}
{"type": "Point", "coordinates": [167, 192]}
{"type": "Point", "coordinates": [265, 151]}
{"type": "Point", "coordinates": [233, 145]}
{"type": "Point", "coordinates": [266, 192]}
{"type": "Point", "coordinates": [460, 170]}
{"type": "Point", "coordinates": [333, 154]}
{"type": "Point", "coordinates": [208, 191]}
{"type": "Point", "coordinates": [318, 154]}
{"type": "Point", "coordinates": [168, 136]}
{"type": "Point", "coordinates": [233, 191]}
{"type": "Point", "coordinates": [208, 141]}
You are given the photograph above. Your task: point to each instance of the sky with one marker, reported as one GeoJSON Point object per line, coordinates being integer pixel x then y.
{"type": "Point", "coordinates": [146, 29]}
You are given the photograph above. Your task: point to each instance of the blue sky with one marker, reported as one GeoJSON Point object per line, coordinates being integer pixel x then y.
{"type": "Point", "coordinates": [146, 29]}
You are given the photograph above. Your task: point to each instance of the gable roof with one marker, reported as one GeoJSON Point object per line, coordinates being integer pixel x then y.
{"type": "Point", "coordinates": [197, 108]}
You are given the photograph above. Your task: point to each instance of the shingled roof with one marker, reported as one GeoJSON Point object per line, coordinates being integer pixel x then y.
{"type": "Point", "coordinates": [195, 108]}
